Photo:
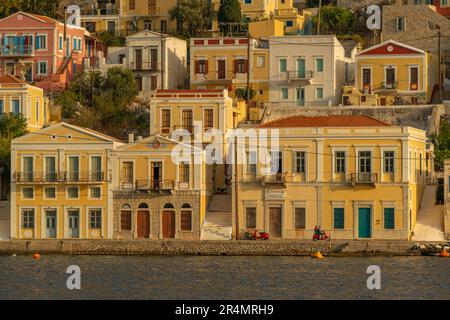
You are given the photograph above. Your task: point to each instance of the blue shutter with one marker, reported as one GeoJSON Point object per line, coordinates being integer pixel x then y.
{"type": "Point", "coordinates": [389, 218]}
{"type": "Point", "coordinates": [1, 107]}
{"type": "Point", "coordinates": [38, 45]}
{"type": "Point", "coordinates": [338, 218]}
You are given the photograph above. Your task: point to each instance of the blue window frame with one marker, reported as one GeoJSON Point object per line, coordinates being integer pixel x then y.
{"type": "Point", "coordinates": [79, 44]}
{"type": "Point", "coordinates": [338, 218]}
{"type": "Point", "coordinates": [248, 1]}
{"type": "Point", "coordinates": [41, 41]}
{"type": "Point", "coordinates": [60, 43]}
{"type": "Point", "coordinates": [289, 23]}
{"type": "Point", "coordinates": [389, 218]}
{"type": "Point", "coordinates": [15, 106]}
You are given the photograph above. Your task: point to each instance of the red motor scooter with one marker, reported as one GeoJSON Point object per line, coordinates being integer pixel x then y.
{"type": "Point", "coordinates": [319, 234]}
{"type": "Point", "coordinates": [255, 235]}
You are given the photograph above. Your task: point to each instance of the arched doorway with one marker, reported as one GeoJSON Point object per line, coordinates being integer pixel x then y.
{"type": "Point", "coordinates": [168, 221]}
{"type": "Point", "coordinates": [143, 221]}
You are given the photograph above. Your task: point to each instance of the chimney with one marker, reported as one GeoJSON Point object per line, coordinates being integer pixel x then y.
{"type": "Point", "coordinates": [130, 137]}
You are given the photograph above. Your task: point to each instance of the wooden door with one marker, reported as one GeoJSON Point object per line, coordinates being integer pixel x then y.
{"type": "Point", "coordinates": [220, 69]}
{"type": "Point", "coordinates": [143, 224]}
{"type": "Point", "coordinates": [168, 224]}
{"type": "Point", "coordinates": [275, 222]}
{"type": "Point", "coordinates": [138, 59]}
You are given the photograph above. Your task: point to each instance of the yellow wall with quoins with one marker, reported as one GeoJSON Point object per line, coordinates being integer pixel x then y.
{"type": "Point", "coordinates": [320, 189]}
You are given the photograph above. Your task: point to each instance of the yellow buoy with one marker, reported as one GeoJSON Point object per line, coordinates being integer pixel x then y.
{"type": "Point", "coordinates": [317, 255]}
{"type": "Point", "coordinates": [444, 254]}
{"type": "Point", "coordinates": [36, 256]}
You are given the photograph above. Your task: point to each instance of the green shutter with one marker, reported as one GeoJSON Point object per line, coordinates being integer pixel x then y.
{"type": "Point", "coordinates": [282, 65]}
{"type": "Point", "coordinates": [338, 218]}
{"type": "Point", "coordinates": [389, 218]}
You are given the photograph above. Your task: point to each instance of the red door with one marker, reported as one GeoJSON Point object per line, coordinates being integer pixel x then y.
{"type": "Point", "coordinates": [143, 224]}
{"type": "Point", "coordinates": [168, 224]}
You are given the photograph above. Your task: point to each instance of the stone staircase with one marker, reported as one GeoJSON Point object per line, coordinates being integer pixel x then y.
{"type": "Point", "coordinates": [218, 223]}
{"type": "Point", "coordinates": [429, 225]}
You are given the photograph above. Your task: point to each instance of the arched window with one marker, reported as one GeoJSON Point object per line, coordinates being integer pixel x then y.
{"type": "Point", "coordinates": [168, 206]}
{"type": "Point", "coordinates": [186, 206]}
{"type": "Point", "coordinates": [126, 206]}
{"type": "Point", "coordinates": [143, 206]}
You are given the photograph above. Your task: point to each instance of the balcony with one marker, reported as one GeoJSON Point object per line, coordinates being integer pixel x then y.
{"type": "Point", "coordinates": [99, 12]}
{"type": "Point", "coordinates": [389, 85]}
{"type": "Point", "coordinates": [144, 66]}
{"type": "Point", "coordinates": [276, 179]}
{"type": "Point", "coordinates": [299, 75]}
{"type": "Point", "coordinates": [363, 178]}
{"type": "Point", "coordinates": [152, 185]}
{"type": "Point", "coordinates": [16, 50]}
{"type": "Point", "coordinates": [60, 177]}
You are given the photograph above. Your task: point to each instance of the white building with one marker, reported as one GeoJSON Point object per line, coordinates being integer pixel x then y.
{"type": "Point", "coordinates": [307, 70]}
{"type": "Point", "coordinates": [158, 61]}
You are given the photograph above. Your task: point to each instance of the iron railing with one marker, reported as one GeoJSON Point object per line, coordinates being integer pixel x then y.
{"type": "Point", "coordinates": [364, 177]}
{"type": "Point", "coordinates": [389, 85]}
{"type": "Point", "coordinates": [68, 176]}
{"type": "Point", "coordinates": [300, 75]}
{"type": "Point", "coordinates": [16, 50]}
{"type": "Point", "coordinates": [154, 185]}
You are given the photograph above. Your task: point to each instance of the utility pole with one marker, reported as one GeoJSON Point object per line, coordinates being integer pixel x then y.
{"type": "Point", "coordinates": [235, 178]}
{"type": "Point", "coordinates": [318, 17]}
{"type": "Point", "coordinates": [65, 33]}
{"type": "Point", "coordinates": [247, 98]}
{"type": "Point", "coordinates": [440, 65]}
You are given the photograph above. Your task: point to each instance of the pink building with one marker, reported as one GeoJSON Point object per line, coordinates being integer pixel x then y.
{"type": "Point", "coordinates": [32, 48]}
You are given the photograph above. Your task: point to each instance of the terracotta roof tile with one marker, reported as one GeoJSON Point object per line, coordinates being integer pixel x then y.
{"type": "Point", "coordinates": [325, 121]}
{"type": "Point", "coordinates": [10, 79]}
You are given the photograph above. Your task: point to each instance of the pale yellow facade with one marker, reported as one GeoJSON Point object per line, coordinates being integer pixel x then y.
{"type": "Point", "coordinates": [61, 184]}
{"type": "Point", "coordinates": [314, 187]}
{"type": "Point", "coordinates": [447, 197]}
{"type": "Point", "coordinates": [17, 96]}
{"type": "Point", "coordinates": [221, 63]}
{"type": "Point", "coordinates": [392, 73]}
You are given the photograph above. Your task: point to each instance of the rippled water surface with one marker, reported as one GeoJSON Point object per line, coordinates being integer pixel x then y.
{"type": "Point", "coordinates": [194, 277]}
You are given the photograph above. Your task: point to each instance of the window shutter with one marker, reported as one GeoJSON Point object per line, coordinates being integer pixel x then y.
{"type": "Point", "coordinates": [235, 66]}
{"type": "Point", "coordinates": [206, 66]}
{"type": "Point", "coordinates": [246, 66]}
{"type": "Point", "coordinates": [197, 66]}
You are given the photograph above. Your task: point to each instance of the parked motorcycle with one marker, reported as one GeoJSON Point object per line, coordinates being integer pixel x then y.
{"type": "Point", "coordinates": [319, 234]}
{"type": "Point", "coordinates": [255, 235]}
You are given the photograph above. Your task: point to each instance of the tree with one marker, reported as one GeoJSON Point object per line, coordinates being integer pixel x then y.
{"type": "Point", "coordinates": [11, 126]}
{"type": "Point", "coordinates": [41, 7]}
{"type": "Point", "coordinates": [229, 12]}
{"type": "Point", "coordinates": [441, 142]}
{"type": "Point", "coordinates": [191, 15]}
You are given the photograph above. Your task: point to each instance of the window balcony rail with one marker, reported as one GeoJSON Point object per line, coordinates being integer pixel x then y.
{"type": "Point", "coordinates": [16, 50]}
{"type": "Point", "coordinates": [154, 185]}
{"type": "Point", "coordinates": [100, 12]}
{"type": "Point", "coordinates": [276, 178]}
{"type": "Point", "coordinates": [151, 66]}
{"type": "Point", "coordinates": [153, 11]}
{"type": "Point", "coordinates": [188, 128]}
{"type": "Point", "coordinates": [389, 85]}
{"type": "Point", "coordinates": [300, 75]}
{"type": "Point", "coordinates": [23, 176]}
{"type": "Point", "coordinates": [84, 176]}
{"type": "Point", "coordinates": [250, 177]}
{"type": "Point", "coordinates": [363, 178]}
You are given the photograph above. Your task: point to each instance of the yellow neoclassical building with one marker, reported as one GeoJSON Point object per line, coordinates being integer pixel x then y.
{"type": "Point", "coordinates": [222, 63]}
{"type": "Point", "coordinates": [392, 73]}
{"type": "Point", "coordinates": [356, 177]}
{"type": "Point", "coordinates": [17, 96]}
{"type": "Point", "coordinates": [61, 184]}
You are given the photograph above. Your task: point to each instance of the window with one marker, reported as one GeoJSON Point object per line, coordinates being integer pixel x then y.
{"type": "Point", "coordinates": [72, 193]}
{"type": "Point", "coordinates": [184, 172]}
{"type": "Point", "coordinates": [186, 119]}
{"type": "Point", "coordinates": [251, 162]}
{"type": "Point", "coordinates": [401, 24]}
{"type": "Point", "coordinates": [300, 218]}
{"type": "Point", "coordinates": [389, 161]}
{"type": "Point", "coordinates": [250, 218]}
{"type": "Point", "coordinates": [50, 168]}
{"type": "Point", "coordinates": [132, 5]}
{"type": "Point", "coordinates": [284, 93]}
{"type": "Point", "coordinates": [50, 193]}
{"type": "Point", "coordinates": [60, 43]}
{"type": "Point", "coordinates": [79, 45]}
{"type": "Point", "coordinates": [202, 66]}
{"type": "Point", "coordinates": [389, 218]}
{"type": "Point", "coordinates": [37, 110]}
{"type": "Point", "coordinates": [127, 171]}
{"type": "Point", "coordinates": [338, 218]}
{"type": "Point", "coordinates": [444, 3]}
{"type": "Point", "coordinates": [27, 192]}
{"type": "Point", "coordinates": [165, 118]}
{"type": "Point", "coordinates": [319, 64]}
{"type": "Point", "coordinates": [96, 168]}
{"type": "Point", "coordinates": [27, 168]}
{"type": "Point", "coordinates": [365, 162]}
{"type": "Point", "coordinates": [42, 67]}
{"type": "Point", "coordinates": [247, 1]}
{"type": "Point", "coordinates": [95, 218]}
{"type": "Point", "coordinates": [300, 162]}
{"type": "Point", "coordinates": [240, 66]}
{"type": "Point", "coordinates": [340, 161]}
{"type": "Point", "coordinates": [163, 24]}
{"type": "Point", "coordinates": [208, 115]}
{"type": "Point", "coordinates": [260, 61]}
{"type": "Point", "coordinates": [95, 192]}
{"type": "Point", "coordinates": [41, 41]}
{"type": "Point", "coordinates": [283, 65]}
{"type": "Point", "coordinates": [74, 172]}
{"type": "Point", "coordinates": [289, 23]}
{"type": "Point", "coordinates": [28, 218]}
{"type": "Point", "coordinates": [186, 220]}
{"type": "Point", "coordinates": [2, 107]}
{"type": "Point", "coordinates": [125, 218]}
{"type": "Point", "coordinates": [319, 93]}
{"type": "Point", "coordinates": [15, 106]}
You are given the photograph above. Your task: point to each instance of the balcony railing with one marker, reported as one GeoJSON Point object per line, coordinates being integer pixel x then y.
{"type": "Point", "coordinates": [51, 177]}
{"type": "Point", "coordinates": [389, 85]}
{"type": "Point", "coordinates": [16, 50]}
{"type": "Point", "coordinates": [276, 178]}
{"type": "Point", "coordinates": [363, 178]}
{"type": "Point", "coordinates": [151, 66]}
{"type": "Point", "coordinates": [300, 75]}
{"type": "Point", "coordinates": [152, 185]}
{"type": "Point", "coordinates": [99, 12]}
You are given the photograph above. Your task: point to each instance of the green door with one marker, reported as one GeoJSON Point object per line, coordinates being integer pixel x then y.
{"type": "Point", "coordinates": [364, 223]}
{"type": "Point", "coordinates": [301, 72]}
{"type": "Point", "coordinates": [300, 97]}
